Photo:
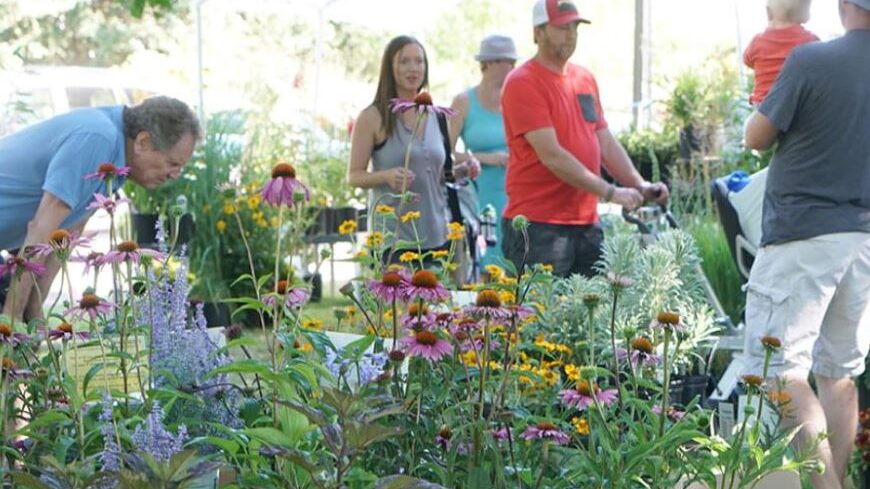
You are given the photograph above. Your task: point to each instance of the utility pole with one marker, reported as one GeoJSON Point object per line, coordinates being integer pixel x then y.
{"type": "Point", "coordinates": [637, 95]}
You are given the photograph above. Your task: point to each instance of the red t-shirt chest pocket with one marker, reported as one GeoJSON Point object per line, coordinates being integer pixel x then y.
{"type": "Point", "coordinates": [588, 107]}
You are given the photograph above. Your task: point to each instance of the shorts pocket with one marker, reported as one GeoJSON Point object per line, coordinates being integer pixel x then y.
{"type": "Point", "coordinates": [761, 320]}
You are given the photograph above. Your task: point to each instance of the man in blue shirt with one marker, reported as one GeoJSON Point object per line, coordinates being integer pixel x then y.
{"type": "Point", "coordinates": [43, 169]}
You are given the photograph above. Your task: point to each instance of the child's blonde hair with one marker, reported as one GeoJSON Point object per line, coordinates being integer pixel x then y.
{"type": "Point", "coordinates": [790, 10]}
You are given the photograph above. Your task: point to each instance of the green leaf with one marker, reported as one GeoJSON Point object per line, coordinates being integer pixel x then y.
{"type": "Point", "coordinates": [269, 436]}
{"type": "Point", "coordinates": [229, 446]}
{"type": "Point", "coordinates": [405, 482]}
{"type": "Point", "coordinates": [51, 417]}
{"type": "Point", "coordinates": [355, 349]}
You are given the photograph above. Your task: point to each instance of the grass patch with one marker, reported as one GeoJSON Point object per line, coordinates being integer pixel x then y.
{"type": "Point", "coordinates": [718, 266]}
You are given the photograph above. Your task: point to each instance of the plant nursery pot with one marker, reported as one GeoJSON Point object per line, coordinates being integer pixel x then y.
{"type": "Point", "coordinates": [144, 229]}
{"type": "Point", "coordinates": [316, 282]}
{"type": "Point", "coordinates": [676, 389]}
{"type": "Point", "coordinates": [186, 228]}
{"type": "Point", "coordinates": [695, 386]}
{"type": "Point", "coordinates": [217, 314]}
{"type": "Point", "coordinates": [337, 215]}
{"type": "Point", "coordinates": [319, 225]}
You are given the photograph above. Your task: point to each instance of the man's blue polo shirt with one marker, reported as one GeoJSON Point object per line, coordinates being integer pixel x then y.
{"type": "Point", "coordinates": [54, 156]}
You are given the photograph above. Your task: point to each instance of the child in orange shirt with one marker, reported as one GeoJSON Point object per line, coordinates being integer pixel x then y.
{"type": "Point", "coordinates": [767, 51]}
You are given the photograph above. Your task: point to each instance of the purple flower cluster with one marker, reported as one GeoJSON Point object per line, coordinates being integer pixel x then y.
{"type": "Point", "coordinates": [182, 347]}
{"type": "Point", "coordinates": [152, 437]}
{"type": "Point", "coordinates": [368, 368]}
{"type": "Point", "coordinates": [110, 457]}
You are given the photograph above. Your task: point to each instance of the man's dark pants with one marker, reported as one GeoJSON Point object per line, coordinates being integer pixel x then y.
{"type": "Point", "coordinates": [570, 249]}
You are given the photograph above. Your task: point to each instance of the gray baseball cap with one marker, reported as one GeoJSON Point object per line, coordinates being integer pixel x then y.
{"type": "Point", "coordinates": [864, 4]}
{"type": "Point", "coordinates": [495, 47]}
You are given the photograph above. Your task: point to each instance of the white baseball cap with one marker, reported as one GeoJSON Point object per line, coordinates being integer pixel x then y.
{"type": "Point", "coordinates": [558, 13]}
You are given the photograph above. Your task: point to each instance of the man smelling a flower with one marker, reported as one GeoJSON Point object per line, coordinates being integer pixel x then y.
{"type": "Point", "coordinates": [51, 172]}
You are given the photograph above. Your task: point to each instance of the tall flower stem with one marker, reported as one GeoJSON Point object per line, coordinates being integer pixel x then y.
{"type": "Point", "coordinates": [421, 116]}
{"type": "Point", "coordinates": [545, 458]}
{"type": "Point", "coordinates": [590, 311]}
{"type": "Point", "coordinates": [484, 366]}
{"type": "Point", "coordinates": [615, 292]}
{"type": "Point", "coordinates": [666, 384]}
{"type": "Point", "coordinates": [273, 339]}
{"type": "Point", "coordinates": [133, 316]}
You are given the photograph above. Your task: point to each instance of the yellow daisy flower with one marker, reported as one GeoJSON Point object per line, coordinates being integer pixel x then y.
{"type": "Point", "coordinates": [581, 425]}
{"type": "Point", "coordinates": [409, 256]}
{"type": "Point", "coordinates": [347, 227]}
{"type": "Point", "coordinates": [384, 209]}
{"type": "Point", "coordinates": [375, 239]}
{"type": "Point", "coordinates": [411, 215]}
{"type": "Point", "coordinates": [221, 225]}
{"type": "Point", "coordinates": [440, 254]}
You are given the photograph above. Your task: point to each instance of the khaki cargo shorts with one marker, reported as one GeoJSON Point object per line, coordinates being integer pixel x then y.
{"type": "Point", "coordinates": [814, 295]}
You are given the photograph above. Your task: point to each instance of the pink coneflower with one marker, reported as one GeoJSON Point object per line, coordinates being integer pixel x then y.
{"type": "Point", "coordinates": [421, 103]}
{"type": "Point", "coordinates": [586, 394]}
{"type": "Point", "coordinates": [465, 328]}
{"type": "Point", "coordinates": [66, 331]}
{"type": "Point", "coordinates": [425, 285]}
{"type": "Point", "coordinates": [500, 434]}
{"type": "Point", "coordinates": [443, 437]}
{"type": "Point", "coordinates": [520, 311]}
{"type": "Point", "coordinates": [108, 171]}
{"type": "Point", "coordinates": [15, 266]}
{"type": "Point", "coordinates": [293, 296]}
{"type": "Point", "coordinates": [641, 353]}
{"type": "Point", "coordinates": [280, 189]}
{"type": "Point", "coordinates": [12, 370]}
{"type": "Point", "coordinates": [91, 260]}
{"type": "Point", "coordinates": [476, 342]}
{"type": "Point", "coordinates": [545, 430]}
{"type": "Point", "coordinates": [108, 204]}
{"type": "Point", "coordinates": [89, 305]}
{"type": "Point", "coordinates": [668, 320]}
{"type": "Point", "coordinates": [426, 344]}
{"type": "Point", "coordinates": [60, 242]}
{"type": "Point", "coordinates": [391, 285]}
{"type": "Point", "coordinates": [673, 413]}
{"type": "Point", "coordinates": [488, 306]}
{"type": "Point", "coordinates": [11, 337]}
{"type": "Point", "coordinates": [129, 250]}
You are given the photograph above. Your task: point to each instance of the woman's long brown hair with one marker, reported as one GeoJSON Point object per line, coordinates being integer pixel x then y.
{"type": "Point", "coordinates": [387, 83]}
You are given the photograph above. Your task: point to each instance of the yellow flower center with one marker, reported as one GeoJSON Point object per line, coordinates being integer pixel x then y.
{"type": "Point", "coordinates": [5, 329]}
{"type": "Point", "coordinates": [753, 380]}
{"type": "Point", "coordinates": [547, 426]}
{"type": "Point", "coordinates": [65, 327]}
{"type": "Point", "coordinates": [282, 287]}
{"type": "Point", "coordinates": [414, 309]}
{"type": "Point", "coordinates": [771, 342]}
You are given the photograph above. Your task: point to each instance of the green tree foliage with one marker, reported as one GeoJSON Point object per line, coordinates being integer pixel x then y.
{"type": "Point", "coordinates": [91, 32]}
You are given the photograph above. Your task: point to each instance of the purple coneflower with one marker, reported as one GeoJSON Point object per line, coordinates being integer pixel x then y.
{"type": "Point", "coordinates": [293, 296]}
{"type": "Point", "coordinates": [668, 320]}
{"type": "Point", "coordinates": [108, 204]}
{"type": "Point", "coordinates": [108, 171]}
{"type": "Point", "coordinates": [67, 332]}
{"type": "Point", "coordinates": [11, 337]}
{"type": "Point", "coordinates": [425, 285]}
{"type": "Point", "coordinates": [488, 306]}
{"type": "Point", "coordinates": [673, 413]}
{"type": "Point", "coordinates": [16, 266]}
{"type": "Point", "coordinates": [91, 260]}
{"type": "Point", "coordinates": [426, 344]}
{"type": "Point", "coordinates": [280, 189]}
{"type": "Point", "coordinates": [545, 430]}
{"type": "Point", "coordinates": [90, 305]}
{"type": "Point", "coordinates": [60, 242]}
{"type": "Point", "coordinates": [421, 103]}
{"type": "Point", "coordinates": [641, 353]}
{"type": "Point", "coordinates": [391, 285]}
{"type": "Point", "coordinates": [443, 437]}
{"type": "Point", "coordinates": [130, 251]}
{"type": "Point", "coordinates": [586, 394]}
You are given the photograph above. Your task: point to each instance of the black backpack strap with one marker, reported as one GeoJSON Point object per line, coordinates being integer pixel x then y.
{"type": "Point", "coordinates": [449, 177]}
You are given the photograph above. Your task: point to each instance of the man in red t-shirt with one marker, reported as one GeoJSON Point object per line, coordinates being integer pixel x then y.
{"type": "Point", "coordinates": [767, 51]}
{"type": "Point", "coordinates": [557, 140]}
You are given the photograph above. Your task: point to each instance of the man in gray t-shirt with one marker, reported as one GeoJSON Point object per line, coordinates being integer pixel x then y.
{"type": "Point", "coordinates": [810, 284]}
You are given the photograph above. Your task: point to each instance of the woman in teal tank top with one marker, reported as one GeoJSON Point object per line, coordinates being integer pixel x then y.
{"type": "Point", "coordinates": [481, 128]}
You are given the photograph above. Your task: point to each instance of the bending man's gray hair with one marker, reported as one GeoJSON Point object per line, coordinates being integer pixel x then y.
{"type": "Point", "coordinates": [166, 119]}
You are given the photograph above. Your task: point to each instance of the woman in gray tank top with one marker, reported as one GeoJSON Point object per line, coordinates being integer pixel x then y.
{"type": "Point", "coordinates": [382, 137]}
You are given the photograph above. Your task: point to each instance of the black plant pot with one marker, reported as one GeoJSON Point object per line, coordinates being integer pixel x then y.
{"type": "Point", "coordinates": [337, 215]}
{"type": "Point", "coordinates": [217, 314]}
{"type": "Point", "coordinates": [320, 224]}
{"type": "Point", "coordinates": [145, 230]}
{"type": "Point", "coordinates": [676, 389]}
{"type": "Point", "coordinates": [316, 282]}
{"type": "Point", "coordinates": [695, 387]}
